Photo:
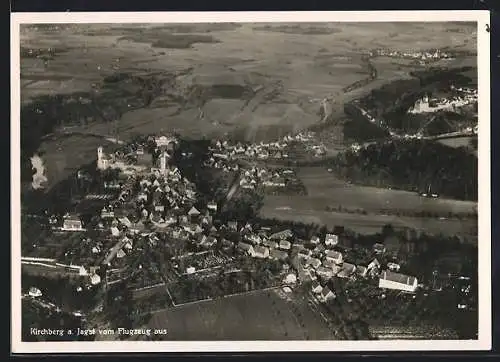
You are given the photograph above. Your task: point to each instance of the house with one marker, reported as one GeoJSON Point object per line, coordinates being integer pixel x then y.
{"type": "Point", "coordinates": [282, 235]}
{"type": "Point", "coordinates": [254, 239]}
{"type": "Point", "coordinates": [125, 221]}
{"type": "Point", "coordinates": [324, 272]}
{"type": "Point", "coordinates": [361, 271]}
{"type": "Point", "coordinates": [316, 287]}
{"type": "Point", "coordinates": [208, 241]}
{"type": "Point", "coordinates": [306, 275]}
{"type": "Point", "coordinates": [212, 206]}
{"type": "Point", "coordinates": [291, 278]}
{"type": "Point", "coordinates": [206, 220]}
{"type": "Point", "coordinates": [314, 262]}
{"type": "Point", "coordinates": [326, 295]}
{"type": "Point", "coordinates": [114, 231]}
{"type": "Point", "coordinates": [396, 281]}
{"type": "Point", "coordinates": [270, 244]}
{"type": "Point", "coordinates": [304, 253]}
{"type": "Point", "coordinates": [120, 254]}
{"type": "Point", "coordinates": [232, 225]}
{"type": "Point", "coordinates": [315, 240]}
{"type": "Point", "coordinates": [331, 239]}
{"type": "Point", "coordinates": [334, 256]}
{"type": "Point", "coordinates": [261, 252]}
{"type": "Point", "coordinates": [137, 227]}
{"type": "Point", "coordinates": [107, 214]}
{"type": "Point", "coordinates": [379, 248]}
{"type": "Point", "coordinates": [193, 213]}
{"type": "Point", "coordinates": [190, 270]}
{"type": "Point", "coordinates": [285, 245]}
{"type": "Point", "coordinates": [346, 270]}
{"type": "Point", "coordinates": [393, 266]}
{"type": "Point", "coordinates": [35, 292]}
{"type": "Point", "coordinates": [373, 266]}
{"type": "Point", "coordinates": [247, 248]}
{"type": "Point", "coordinates": [278, 254]}
{"type": "Point", "coordinates": [72, 223]}
{"type": "Point", "coordinates": [128, 245]}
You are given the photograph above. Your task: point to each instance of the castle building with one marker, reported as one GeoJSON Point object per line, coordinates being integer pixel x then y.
{"type": "Point", "coordinates": [103, 160]}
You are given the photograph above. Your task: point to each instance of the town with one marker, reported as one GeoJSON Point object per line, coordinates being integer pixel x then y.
{"type": "Point", "coordinates": [152, 229]}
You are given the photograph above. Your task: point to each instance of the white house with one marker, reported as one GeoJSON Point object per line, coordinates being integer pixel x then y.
{"type": "Point", "coordinates": [392, 280]}
{"type": "Point", "coordinates": [334, 256]}
{"type": "Point", "coordinates": [72, 223]}
{"type": "Point", "coordinates": [331, 239]}
{"type": "Point", "coordinates": [285, 245]}
{"type": "Point", "coordinates": [35, 292]}
{"type": "Point", "coordinates": [261, 252]}
{"type": "Point", "coordinates": [115, 231]}
{"type": "Point", "coordinates": [315, 240]}
{"type": "Point", "coordinates": [290, 279]}
{"type": "Point", "coordinates": [393, 266]}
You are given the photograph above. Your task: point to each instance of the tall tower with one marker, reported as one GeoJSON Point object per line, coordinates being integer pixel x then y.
{"type": "Point", "coordinates": [163, 162]}
{"type": "Point", "coordinates": [100, 158]}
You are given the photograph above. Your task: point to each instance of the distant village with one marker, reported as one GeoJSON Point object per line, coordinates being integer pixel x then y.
{"type": "Point", "coordinates": [420, 55]}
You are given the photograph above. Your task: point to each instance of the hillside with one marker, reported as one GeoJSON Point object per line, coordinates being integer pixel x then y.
{"type": "Point", "coordinates": [412, 165]}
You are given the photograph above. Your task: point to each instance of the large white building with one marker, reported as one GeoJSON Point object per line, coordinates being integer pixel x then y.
{"type": "Point", "coordinates": [391, 280]}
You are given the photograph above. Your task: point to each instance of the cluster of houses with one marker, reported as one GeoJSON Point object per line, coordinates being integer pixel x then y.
{"type": "Point", "coordinates": [426, 105]}
{"type": "Point", "coordinates": [263, 151]}
{"type": "Point", "coordinates": [421, 55]}
{"type": "Point", "coordinates": [277, 150]}
{"type": "Point", "coordinates": [323, 262]}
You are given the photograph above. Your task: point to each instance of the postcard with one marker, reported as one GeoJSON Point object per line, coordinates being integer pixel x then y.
{"type": "Point", "coordinates": [250, 181]}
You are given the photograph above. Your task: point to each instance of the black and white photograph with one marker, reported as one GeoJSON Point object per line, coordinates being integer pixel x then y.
{"type": "Point", "coordinates": [250, 181]}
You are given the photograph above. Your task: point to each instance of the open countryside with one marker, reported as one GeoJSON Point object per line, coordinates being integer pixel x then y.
{"type": "Point", "coordinates": [242, 181]}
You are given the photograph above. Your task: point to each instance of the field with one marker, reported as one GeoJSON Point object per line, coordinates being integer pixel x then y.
{"type": "Point", "coordinates": [325, 190]}
{"type": "Point", "coordinates": [285, 76]}
{"type": "Point", "coordinates": [370, 224]}
{"type": "Point", "coordinates": [261, 315]}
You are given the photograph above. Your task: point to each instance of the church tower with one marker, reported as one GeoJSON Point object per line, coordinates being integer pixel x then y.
{"type": "Point", "coordinates": [163, 162]}
{"type": "Point", "coordinates": [101, 159]}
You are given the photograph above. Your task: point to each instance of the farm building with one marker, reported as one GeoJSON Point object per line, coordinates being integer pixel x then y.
{"type": "Point", "coordinates": [391, 280]}
{"type": "Point", "coordinates": [72, 223]}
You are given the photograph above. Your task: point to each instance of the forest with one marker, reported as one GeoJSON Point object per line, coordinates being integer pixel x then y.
{"type": "Point", "coordinates": [413, 165]}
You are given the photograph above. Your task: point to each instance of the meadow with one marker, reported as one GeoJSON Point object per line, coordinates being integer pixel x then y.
{"type": "Point", "coordinates": [264, 315]}
{"type": "Point", "coordinates": [325, 190]}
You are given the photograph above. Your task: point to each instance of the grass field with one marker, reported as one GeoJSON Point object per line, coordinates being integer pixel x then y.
{"type": "Point", "coordinates": [370, 224]}
{"type": "Point", "coordinates": [261, 315]}
{"type": "Point", "coordinates": [325, 190]}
